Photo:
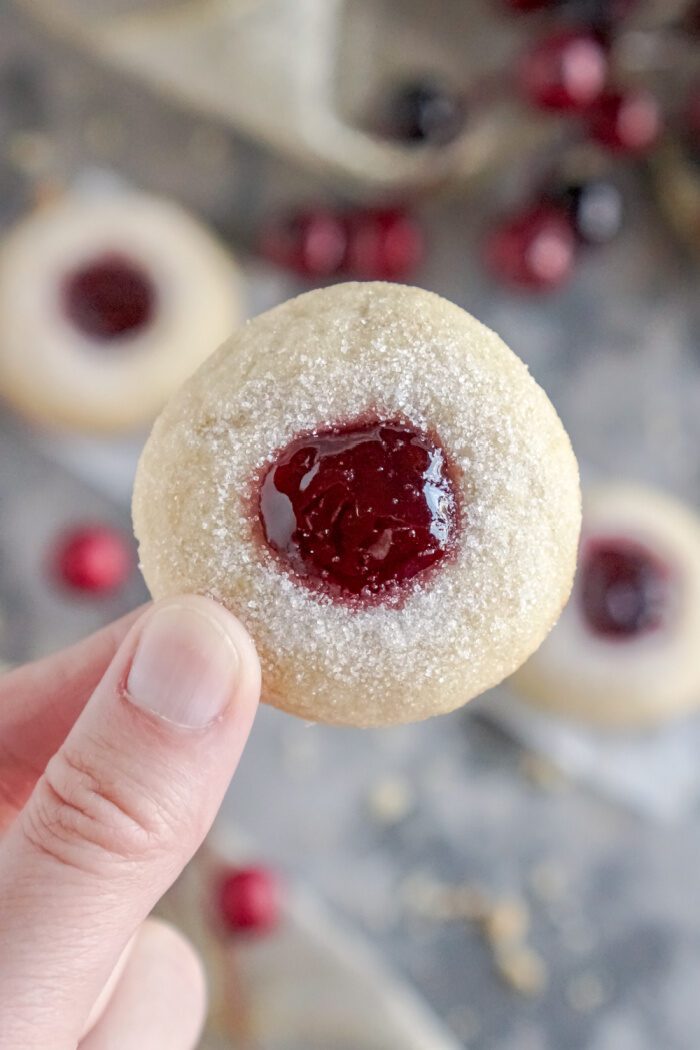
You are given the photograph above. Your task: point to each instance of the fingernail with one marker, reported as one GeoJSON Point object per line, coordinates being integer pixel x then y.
{"type": "Point", "coordinates": [185, 667]}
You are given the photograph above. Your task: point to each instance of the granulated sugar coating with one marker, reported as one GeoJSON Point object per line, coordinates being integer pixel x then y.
{"type": "Point", "coordinates": [320, 361]}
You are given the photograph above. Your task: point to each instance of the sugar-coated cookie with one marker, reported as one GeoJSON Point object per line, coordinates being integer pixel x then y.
{"type": "Point", "coordinates": [625, 651]}
{"type": "Point", "coordinates": [107, 304]}
{"type": "Point", "coordinates": [371, 480]}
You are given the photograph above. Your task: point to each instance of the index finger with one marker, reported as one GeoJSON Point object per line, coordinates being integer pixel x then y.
{"type": "Point", "coordinates": [39, 704]}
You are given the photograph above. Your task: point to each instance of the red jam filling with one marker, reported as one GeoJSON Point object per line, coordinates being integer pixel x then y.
{"type": "Point", "coordinates": [360, 509]}
{"type": "Point", "coordinates": [109, 298]}
{"type": "Point", "coordinates": [624, 589]}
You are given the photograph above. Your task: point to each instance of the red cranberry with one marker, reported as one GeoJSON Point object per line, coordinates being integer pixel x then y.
{"type": "Point", "coordinates": [109, 297]}
{"type": "Point", "coordinates": [534, 250]}
{"type": "Point", "coordinates": [425, 113]}
{"type": "Point", "coordinates": [565, 72]}
{"type": "Point", "coordinates": [529, 5]}
{"type": "Point", "coordinates": [360, 508]}
{"type": "Point", "coordinates": [93, 558]}
{"type": "Point", "coordinates": [624, 588]}
{"type": "Point", "coordinates": [312, 243]}
{"type": "Point", "coordinates": [249, 900]}
{"type": "Point", "coordinates": [626, 123]}
{"type": "Point", "coordinates": [383, 245]}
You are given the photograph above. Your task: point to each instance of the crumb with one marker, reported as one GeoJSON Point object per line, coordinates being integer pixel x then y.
{"type": "Point", "coordinates": [503, 923]}
{"type": "Point", "coordinates": [507, 921]}
{"type": "Point", "coordinates": [423, 895]}
{"type": "Point", "coordinates": [522, 969]}
{"type": "Point", "coordinates": [541, 772]}
{"type": "Point", "coordinates": [390, 800]}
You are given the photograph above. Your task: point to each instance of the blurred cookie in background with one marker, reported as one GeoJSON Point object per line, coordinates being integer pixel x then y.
{"type": "Point", "coordinates": [624, 652]}
{"type": "Point", "coordinates": [107, 304]}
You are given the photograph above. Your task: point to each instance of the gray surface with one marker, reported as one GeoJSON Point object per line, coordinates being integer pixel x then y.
{"type": "Point", "coordinates": [616, 352]}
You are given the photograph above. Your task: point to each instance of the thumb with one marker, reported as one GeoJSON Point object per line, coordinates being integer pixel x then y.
{"type": "Point", "coordinates": [119, 811]}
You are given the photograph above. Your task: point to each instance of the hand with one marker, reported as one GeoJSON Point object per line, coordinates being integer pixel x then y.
{"type": "Point", "coordinates": [114, 758]}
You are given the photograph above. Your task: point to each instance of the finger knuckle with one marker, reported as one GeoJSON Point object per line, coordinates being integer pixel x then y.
{"type": "Point", "coordinates": [86, 817]}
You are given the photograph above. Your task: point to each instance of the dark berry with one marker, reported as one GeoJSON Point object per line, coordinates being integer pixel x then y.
{"type": "Point", "coordinates": [596, 208]}
{"type": "Point", "coordinates": [425, 113]}
{"type": "Point", "coordinates": [601, 15]}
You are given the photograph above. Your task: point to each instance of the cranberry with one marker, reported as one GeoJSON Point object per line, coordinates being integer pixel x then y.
{"type": "Point", "coordinates": [529, 5]}
{"type": "Point", "coordinates": [425, 112]}
{"type": "Point", "coordinates": [383, 245]}
{"type": "Point", "coordinates": [564, 72]}
{"type": "Point", "coordinates": [624, 588]}
{"type": "Point", "coordinates": [626, 123]}
{"type": "Point", "coordinates": [360, 508]}
{"type": "Point", "coordinates": [109, 297]}
{"type": "Point", "coordinates": [596, 209]}
{"type": "Point", "coordinates": [93, 558]}
{"type": "Point", "coordinates": [366, 243]}
{"type": "Point", "coordinates": [312, 243]}
{"type": "Point", "coordinates": [534, 250]}
{"type": "Point", "coordinates": [249, 900]}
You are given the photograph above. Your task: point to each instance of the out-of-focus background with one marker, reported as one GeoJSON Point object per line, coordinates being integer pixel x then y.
{"type": "Point", "coordinates": [522, 874]}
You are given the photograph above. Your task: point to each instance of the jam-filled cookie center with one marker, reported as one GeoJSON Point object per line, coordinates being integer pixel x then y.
{"type": "Point", "coordinates": [362, 508]}
{"type": "Point", "coordinates": [625, 589]}
{"type": "Point", "coordinates": [109, 298]}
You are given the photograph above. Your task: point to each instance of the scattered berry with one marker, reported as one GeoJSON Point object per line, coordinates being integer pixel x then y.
{"type": "Point", "coordinates": [529, 5]}
{"type": "Point", "coordinates": [365, 243]}
{"type": "Point", "coordinates": [565, 72]}
{"type": "Point", "coordinates": [626, 122]}
{"type": "Point", "coordinates": [249, 900]}
{"type": "Point", "coordinates": [95, 559]}
{"type": "Point", "coordinates": [312, 243]}
{"type": "Point", "coordinates": [383, 245]}
{"type": "Point", "coordinates": [534, 250]}
{"type": "Point", "coordinates": [596, 208]}
{"type": "Point", "coordinates": [425, 113]}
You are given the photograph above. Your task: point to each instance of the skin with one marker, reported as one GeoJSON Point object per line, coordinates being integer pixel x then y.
{"type": "Point", "coordinates": [103, 800]}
